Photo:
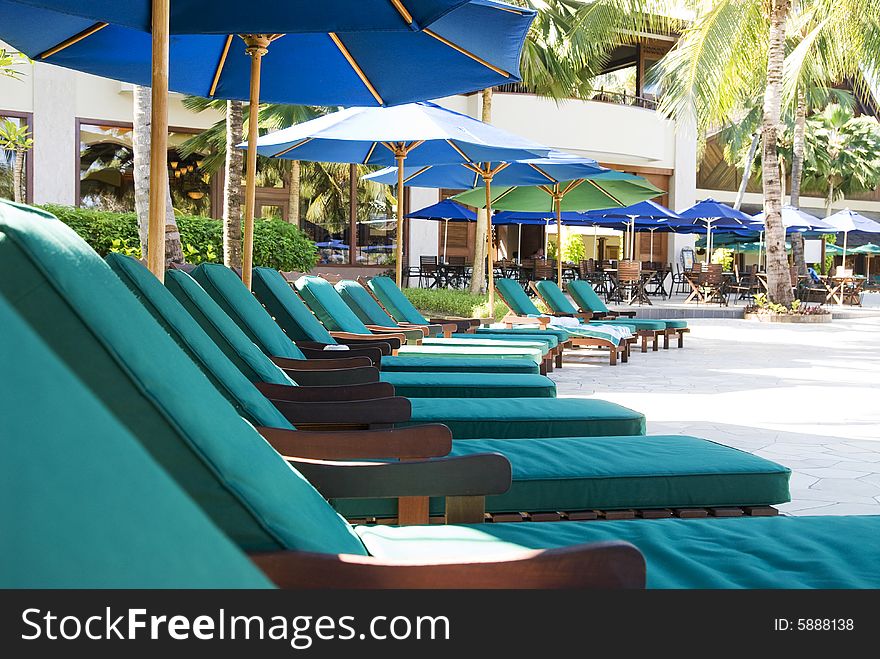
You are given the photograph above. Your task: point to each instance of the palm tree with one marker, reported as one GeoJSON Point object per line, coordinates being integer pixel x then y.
{"type": "Point", "coordinates": [16, 138]}
{"type": "Point", "coordinates": [234, 160]}
{"type": "Point", "coordinates": [847, 153]}
{"type": "Point", "coordinates": [734, 49]}
{"type": "Point", "coordinates": [141, 148]}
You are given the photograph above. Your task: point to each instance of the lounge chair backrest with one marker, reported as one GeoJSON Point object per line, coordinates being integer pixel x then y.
{"type": "Point", "coordinates": [516, 298]}
{"type": "Point", "coordinates": [234, 343]}
{"type": "Point", "coordinates": [397, 304]}
{"type": "Point", "coordinates": [554, 297]}
{"type": "Point", "coordinates": [87, 316]}
{"type": "Point", "coordinates": [82, 504]}
{"type": "Point", "coordinates": [363, 304]}
{"type": "Point", "coordinates": [584, 295]}
{"type": "Point", "coordinates": [328, 306]}
{"type": "Point", "coordinates": [196, 343]}
{"type": "Point", "coordinates": [289, 311]}
{"type": "Point", "coordinates": [228, 291]}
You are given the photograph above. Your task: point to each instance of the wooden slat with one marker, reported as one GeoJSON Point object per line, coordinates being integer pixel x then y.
{"type": "Point", "coordinates": [465, 510]}
{"type": "Point", "coordinates": [691, 513]}
{"type": "Point", "coordinates": [545, 517]}
{"type": "Point", "coordinates": [507, 517]}
{"type": "Point", "coordinates": [726, 512]}
{"type": "Point", "coordinates": [760, 511]}
{"type": "Point", "coordinates": [582, 515]}
{"type": "Point", "coordinates": [619, 514]}
{"type": "Point", "coordinates": [655, 513]}
{"type": "Point", "coordinates": [412, 510]}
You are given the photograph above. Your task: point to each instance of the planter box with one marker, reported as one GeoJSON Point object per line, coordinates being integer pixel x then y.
{"type": "Point", "coordinates": [788, 318]}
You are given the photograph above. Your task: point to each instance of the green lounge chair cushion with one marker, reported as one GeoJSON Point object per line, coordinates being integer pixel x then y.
{"type": "Point", "coordinates": [586, 298]}
{"type": "Point", "coordinates": [547, 341]}
{"type": "Point", "coordinates": [607, 473]}
{"type": "Point", "coordinates": [362, 303]}
{"type": "Point", "coordinates": [470, 385]}
{"type": "Point", "coordinates": [172, 316]}
{"type": "Point", "coordinates": [635, 324]}
{"type": "Point", "coordinates": [393, 299]}
{"type": "Point", "coordinates": [102, 332]}
{"type": "Point", "coordinates": [512, 418]}
{"type": "Point", "coordinates": [515, 297]}
{"type": "Point", "coordinates": [434, 364]}
{"type": "Point", "coordinates": [223, 331]}
{"type": "Point", "coordinates": [328, 306]}
{"type": "Point", "coordinates": [554, 297]}
{"type": "Point", "coordinates": [559, 334]}
{"type": "Point", "coordinates": [744, 552]}
{"type": "Point", "coordinates": [63, 453]}
{"type": "Point", "coordinates": [228, 291]}
{"type": "Point", "coordinates": [289, 311]}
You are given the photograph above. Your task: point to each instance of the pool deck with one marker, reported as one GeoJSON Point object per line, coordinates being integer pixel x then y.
{"type": "Point", "coordinates": [806, 396]}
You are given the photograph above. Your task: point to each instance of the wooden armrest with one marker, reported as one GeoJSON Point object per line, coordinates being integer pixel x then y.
{"type": "Point", "coordinates": [329, 393]}
{"type": "Point", "coordinates": [316, 351]}
{"type": "Point", "coordinates": [451, 326]}
{"type": "Point", "coordinates": [346, 413]}
{"type": "Point", "coordinates": [385, 332]}
{"type": "Point", "coordinates": [626, 314]}
{"type": "Point", "coordinates": [478, 474]}
{"type": "Point", "coordinates": [598, 565]}
{"type": "Point", "coordinates": [424, 441]}
{"type": "Point", "coordinates": [435, 328]}
{"type": "Point", "coordinates": [334, 377]}
{"type": "Point", "coordinates": [393, 341]}
{"type": "Point", "coordinates": [323, 364]}
{"type": "Point", "coordinates": [512, 319]}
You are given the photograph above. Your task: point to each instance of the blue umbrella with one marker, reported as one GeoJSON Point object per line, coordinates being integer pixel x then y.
{"type": "Point", "coordinates": [648, 214]}
{"type": "Point", "coordinates": [446, 210]}
{"type": "Point", "coordinates": [356, 53]}
{"type": "Point", "coordinates": [711, 214]}
{"type": "Point", "coordinates": [419, 133]}
{"type": "Point", "coordinates": [557, 173]}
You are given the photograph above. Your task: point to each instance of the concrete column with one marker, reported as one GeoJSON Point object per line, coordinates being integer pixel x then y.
{"type": "Point", "coordinates": [683, 184]}
{"type": "Point", "coordinates": [56, 144]}
{"type": "Point", "coordinates": [423, 234]}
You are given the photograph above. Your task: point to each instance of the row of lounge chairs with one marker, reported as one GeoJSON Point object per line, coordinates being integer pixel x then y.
{"type": "Point", "coordinates": [175, 444]}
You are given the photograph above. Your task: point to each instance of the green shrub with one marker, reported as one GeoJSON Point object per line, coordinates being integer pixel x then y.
{"type": "Point", "coordinates": [277, 244]}
{"type": "Point", "coordinates": [447, 302]}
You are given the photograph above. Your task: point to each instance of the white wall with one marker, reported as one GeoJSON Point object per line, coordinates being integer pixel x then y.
{"type": "Point", "coordinates": [423, 234]}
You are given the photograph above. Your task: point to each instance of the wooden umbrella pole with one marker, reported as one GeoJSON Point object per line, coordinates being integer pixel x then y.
{"type": "Point", "coordinates": [400, 156]}
{"type": "Point", "coordinates": [557, 202]}
{"type": "Point", "coordinates": [257, 46]}
{"type": "Point", "coordinates": [158, 140]}
{"type": "Point", "coordinates": [490, 275]}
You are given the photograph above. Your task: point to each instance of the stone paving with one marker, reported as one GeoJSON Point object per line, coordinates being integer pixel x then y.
{"type": "Point", "coordinates": [806, 396]}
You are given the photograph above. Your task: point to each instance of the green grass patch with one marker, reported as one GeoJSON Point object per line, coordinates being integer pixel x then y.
{"type": "Point", "coordinates": [449, 302]}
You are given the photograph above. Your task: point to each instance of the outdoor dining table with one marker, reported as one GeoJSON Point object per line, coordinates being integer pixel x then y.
{"type": "Point", "coordinates": [838, 288]}
{"type": "Point", "coordinates": [639, 294]}
{"type": "Point", "coordinates": [451, 275]}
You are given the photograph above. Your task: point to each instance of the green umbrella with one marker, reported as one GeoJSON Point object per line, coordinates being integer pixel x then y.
{"type": "Point", "coordinates": [584, 194]}
{"type": "Point", "coordinates": [831, 248]}
{"type": "Point", "coordinates": [869, 250]}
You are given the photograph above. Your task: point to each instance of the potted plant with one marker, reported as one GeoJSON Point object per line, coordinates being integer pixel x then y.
{"type": "Point", "coordinates": [765, 311]}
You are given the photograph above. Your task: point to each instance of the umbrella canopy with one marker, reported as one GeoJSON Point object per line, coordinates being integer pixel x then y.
{"type": "Point", "coordinates": [555, 176]}
{"type": "Point", "coordinates": [192, 17]}
{"type": "Point", "coordinates": [711, 214]}
{"type": "Point", "coordinates": [333, 52]}
{"type": "Point", "coordinates": [846, 221]}
{"type": "Point", "coordinates": [647, 215]}
{"type": "Point", "coordinates": [445, 210]}
{"type": "Point", "coordinates": [418, 133]}
{"type": "Point", "coordinates": [836, 250]}
{"type": "Point", "coordinates": [357, 53]}
{"type": "Point", "coordinates": [868, 248]}
{"type": "Point", "coordinates": [794, 219]}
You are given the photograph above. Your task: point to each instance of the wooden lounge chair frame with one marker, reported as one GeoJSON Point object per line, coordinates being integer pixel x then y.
{"type": "Point", "coordinates": [614, 350]}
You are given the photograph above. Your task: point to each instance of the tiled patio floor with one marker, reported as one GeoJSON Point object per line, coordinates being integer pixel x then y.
{"type": "Point", "coordinates": [807, 396]}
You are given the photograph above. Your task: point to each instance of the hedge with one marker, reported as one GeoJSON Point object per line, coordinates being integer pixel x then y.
{"type": "Point", "coordinates": [448, 302]}
{"type": "Point", "coordinates": [277, 244]}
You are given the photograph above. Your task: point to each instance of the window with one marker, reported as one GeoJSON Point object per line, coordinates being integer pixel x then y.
{"type": "Point", "coordinates": [106, 178]}
{"type": "Point", "coordinates": [347, 231]}
{"type": "Point", "coordinates": [15, 130]}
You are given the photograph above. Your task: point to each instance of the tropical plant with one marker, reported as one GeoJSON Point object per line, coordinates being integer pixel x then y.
{"type": "Point", "coordinates": [16, 138]}
{"type": "Point", "coordinates": [734, 50]}
{"type": "Point", "coordinates": [846, 153]}
{"type": "Point", "coordinates": [8, 61]}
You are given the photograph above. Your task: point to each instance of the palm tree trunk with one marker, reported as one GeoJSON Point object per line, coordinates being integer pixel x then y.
{"type": "Point", "coordinates": [797, 168]}
{"type": "Point", "coordinates": [747, 172]}
{"type": "Point", "coordinates": [778, 279]}
{"type": "Point", "coordinates": [232, 185]}
{"type": "Point", "coordinates": [18, 194]}
{"type": "Point", "coordinates": [141, 147]}
{"type": "Point", "coordinates": [829, 200]}
{"type": "Point", "coordinates": [293, 193]}
{"type": "Point", "coordinates": [479, 277]}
